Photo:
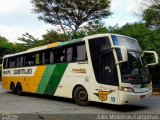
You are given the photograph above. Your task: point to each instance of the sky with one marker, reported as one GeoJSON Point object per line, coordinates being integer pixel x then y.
{"type": "Point", "coordinates": [17, 18]}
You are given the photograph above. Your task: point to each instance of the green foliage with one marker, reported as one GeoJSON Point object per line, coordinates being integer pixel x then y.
{"type": "Point", "coordinates": [28, 40]}
{"type": "Point", "coordinates": [95, 27]}
{"type": "Point", "coordinates": [71, 13]}
{"type": "Point", "coordinates": [53, 36]}
{"type": "Point", "coordinates": [151, 15]}
{"type": "Point", "coordinates": [5, 47]}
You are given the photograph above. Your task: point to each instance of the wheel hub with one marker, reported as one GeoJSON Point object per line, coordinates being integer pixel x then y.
{"type": "Point", "coordinates": [82, 95]}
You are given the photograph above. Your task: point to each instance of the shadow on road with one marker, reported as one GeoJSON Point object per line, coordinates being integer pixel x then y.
{"type": "Point", "coordinates": [118, 108]}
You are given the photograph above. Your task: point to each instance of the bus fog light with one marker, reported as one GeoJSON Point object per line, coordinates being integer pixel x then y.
{"type": "Point", "coordinates": [127, 89]}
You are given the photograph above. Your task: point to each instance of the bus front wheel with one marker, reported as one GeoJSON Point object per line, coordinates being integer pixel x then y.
{"type": "Point", "coordinates": [19, 89]}
{"type": "Point", "coordinates": [80, 96]}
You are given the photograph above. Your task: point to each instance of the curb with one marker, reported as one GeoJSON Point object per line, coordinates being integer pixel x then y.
{"type": "Point", "coordinates": [155, 93]}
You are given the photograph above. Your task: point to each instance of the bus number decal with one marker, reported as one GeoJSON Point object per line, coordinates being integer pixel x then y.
{"type": "Point", "coordinates": [6, 72]}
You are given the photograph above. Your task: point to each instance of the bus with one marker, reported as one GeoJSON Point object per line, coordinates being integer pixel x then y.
{"type": "Point", "coordinates": [107, 68]}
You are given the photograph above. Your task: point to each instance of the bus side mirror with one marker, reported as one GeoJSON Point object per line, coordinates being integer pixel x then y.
{"type": "Point", "coordinates": [121, 52]}
{"type": "Point", "coordinates": [149, 58]}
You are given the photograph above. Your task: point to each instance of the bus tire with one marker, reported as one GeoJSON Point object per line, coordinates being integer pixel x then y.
{"type": "Point", "coordinates": [80, 96]}
{"type": "Point", "coordinates": [13, 88]}
{"type": "Point", "coordinates": [19, 89]}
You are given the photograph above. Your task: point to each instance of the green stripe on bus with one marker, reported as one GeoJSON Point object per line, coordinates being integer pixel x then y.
{"type": "Point", "coordinates": [45, 78]}
{"type": "Point", "coordinates": [70, 41]}
{"type": "Point", "coordinates": [55, 79]}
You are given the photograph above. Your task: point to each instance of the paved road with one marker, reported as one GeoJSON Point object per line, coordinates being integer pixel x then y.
{"type": "Point", "coordinates": [41, 105]}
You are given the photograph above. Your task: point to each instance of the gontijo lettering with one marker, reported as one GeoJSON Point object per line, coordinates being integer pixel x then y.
{"type": "Point", "coordinates": [23, 71]}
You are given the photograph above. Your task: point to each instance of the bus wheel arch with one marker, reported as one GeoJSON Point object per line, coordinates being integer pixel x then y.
{"type": "Point", "coordinates": [80, 95]}
{"type": "Point", "coordinates": [19, 89]}
{"type": "Point", "coordinates": [13, 87]}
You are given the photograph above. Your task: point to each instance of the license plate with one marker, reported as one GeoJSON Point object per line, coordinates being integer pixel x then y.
{"type": "Point", "coordinates": [142, 96]}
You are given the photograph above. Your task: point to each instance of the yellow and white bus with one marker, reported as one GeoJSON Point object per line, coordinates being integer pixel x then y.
{"type": "Point", "coordinates": [107, 68]}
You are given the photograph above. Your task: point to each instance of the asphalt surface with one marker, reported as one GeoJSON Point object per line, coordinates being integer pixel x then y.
{"type": "Point", "coordinates": [43, 107]}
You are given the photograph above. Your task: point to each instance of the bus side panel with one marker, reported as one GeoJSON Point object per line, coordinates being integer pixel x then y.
{"type": "Point", "coordinates": [75, 74]}
{"type": "Point", "coordinates": [55, 78]}
{"type": "Point", "coordinates": [5, 83]}
{"type": "Point", "coordinates": [45, 78]}
{"type": "Point", "coordinates": [34, 81]}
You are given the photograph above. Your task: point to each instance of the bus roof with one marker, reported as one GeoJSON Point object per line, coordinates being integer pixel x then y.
{"type": "Point", "coordinates": [56, 44]}
{"type": "Point", "coordinates": [52, 45]}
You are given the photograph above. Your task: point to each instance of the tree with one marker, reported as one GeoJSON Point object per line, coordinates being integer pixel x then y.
{"type": "Point", "coordinates": [152, 15]}
{"type": "Point", "coordinates": [53, 36]}
{"type": "Point", "coordinates": [71, 13]}
{"type": "Point", "coordinates": [149, 12]}
{"type": "Point", "coordinates": [29, 40]}
{"type": "Point", "coordinates": [5, 47]}
{"type": "Point", "coordinates": [95, 27]}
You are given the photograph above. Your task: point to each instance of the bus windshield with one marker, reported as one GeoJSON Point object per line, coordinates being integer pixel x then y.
{"type": "Point", "coordinates": [132, 71]}
{"type": "Point", "coordinates": [129, 43]}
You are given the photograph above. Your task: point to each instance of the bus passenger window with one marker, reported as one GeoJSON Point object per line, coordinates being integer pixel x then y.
{"type": "Point", "coordinates": [81, 52]}
{"type": "Point", "coordinates": [74, 54]}
{"type": "Point", "coordinates": [43, 58]}
{"type": "Point", "coordinates": [60, 55]}
{"type": "Point", "coordinates": [69, 54]}
{"type": "Point", "coordinates": [47, 57]}
{"type": "Point", "coordinates": [51, 60]}
{"type": "Point", "coordinates": [5, 63]}
{"type": "Point", "coordinates": [37, 59]}
{"type": "Point", "coordinates": [17, 62]}
{"type": "Point", "coordinates": [21, 61]}
{"type": "Point", "coordinates": [30, 60]}
{"type": "Point", "coordinates": [63, 56]}
{"type": "Point", "coordinates": [12, 63]}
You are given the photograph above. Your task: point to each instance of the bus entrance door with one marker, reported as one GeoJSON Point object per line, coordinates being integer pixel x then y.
{"type": "Point", "coordinates": [109, 79]}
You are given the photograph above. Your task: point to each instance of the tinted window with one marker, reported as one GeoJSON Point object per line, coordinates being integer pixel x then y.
{"type": "Point", "coordinates": [29, 59]}
{"type": "Point", "coordinates": [5, 63]}
{"type": "Point", "coordinates": [12, 62]}
{"type": "Point", "coordinates": [21, 60]}
{"type": "Point", "coordinates": [68, 53]}
{"type": "Point", "coordinates": [76, 52]}
{"type": "Point", "coordinates": [108, 69]}
{"type": "Point", "coordinates": [97, 47]}
{"type": "Point", "coordinates": [59, 55]}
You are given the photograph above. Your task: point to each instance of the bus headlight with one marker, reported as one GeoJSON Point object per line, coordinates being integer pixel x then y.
{"type": "Point", "coordinates": [126, 89]}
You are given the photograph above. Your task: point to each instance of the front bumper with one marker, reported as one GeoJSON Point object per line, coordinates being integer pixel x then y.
{"type": "Point", "coordinates": [130, 97]}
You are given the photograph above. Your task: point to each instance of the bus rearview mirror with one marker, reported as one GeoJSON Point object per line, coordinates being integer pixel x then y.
{"type": "Point", "coordinates": [149, 58]}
